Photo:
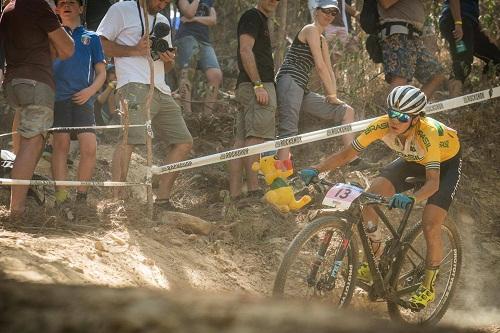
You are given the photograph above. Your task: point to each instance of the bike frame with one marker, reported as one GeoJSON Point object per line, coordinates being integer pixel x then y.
{"type": "Point", "coordinates": [380, 288]}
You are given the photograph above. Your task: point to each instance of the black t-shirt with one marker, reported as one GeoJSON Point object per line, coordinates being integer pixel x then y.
{"type": "Point", "coordinates": [468, 8]}
{"type": "Point", "coordinates": [96, 9]}
{"type": "Point", "coordinates": [24, 29]}
{"type": "Point", "coordinates": [197, 30]}
{"type": "Point", "coordinates": [254, 23]}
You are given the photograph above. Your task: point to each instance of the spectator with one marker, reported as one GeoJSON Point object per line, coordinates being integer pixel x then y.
{"type": "Point", "coordinates": [105, 107]}
{"type": "Point", "coordinates": [77, 81]}
{"type": "Point", "coordinates": [310, 49]}
{"type": "Point", "coordinates": [255, 92]}
{"type": "Point", "coordinates": [32, 36]}
{"type": "Point", "coordinates": [195, 51]}
{"type": "Point", "coordinates": [339, 37]}
{"type": "Point", "coordinates": [123, 36]}
{"type": "Point", "coordinates": [404, 54]}
{"type": "Point", "coordinates": [459, 24]}
{"type": "Point", "coordinates": [95, 11]}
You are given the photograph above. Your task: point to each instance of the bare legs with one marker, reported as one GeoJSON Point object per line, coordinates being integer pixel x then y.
{"type": "Point", "coordinates": [236, 169]}
{"type": "Point", "coordinates": [26, 160]}
{"type": "Point", "coordinates": [121, 161]}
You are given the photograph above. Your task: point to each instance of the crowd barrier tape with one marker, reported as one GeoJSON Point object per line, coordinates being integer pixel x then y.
{"type": "Point", "coordinates": [14, 182]}
{"type": "Point", "coordinates": [54, 129]}
{"type": "Point", "coordinates": [327, 133]}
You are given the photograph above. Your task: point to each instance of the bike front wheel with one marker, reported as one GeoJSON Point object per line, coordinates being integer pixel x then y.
{"type": "Point", "coordinates": [309, 269]}
{"type": "Point", "coordinates": [409, 273]}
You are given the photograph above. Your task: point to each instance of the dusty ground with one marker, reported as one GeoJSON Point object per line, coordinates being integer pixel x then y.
{"type": "Point", "coordinates": [115, 244]}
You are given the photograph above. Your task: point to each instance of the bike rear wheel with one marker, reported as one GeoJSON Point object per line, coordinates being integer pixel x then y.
{"type": "Point", "coordinates": [409, 273]}
{"type": "Point", "coordinates": [295, 277]}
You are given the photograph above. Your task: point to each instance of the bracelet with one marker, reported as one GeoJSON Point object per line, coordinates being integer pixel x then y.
{"type": "Point", "coordinates": [258, 86]}
{"type": "Point", "coordinates": [458, 22]}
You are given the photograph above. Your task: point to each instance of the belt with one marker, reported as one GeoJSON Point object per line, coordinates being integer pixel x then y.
{"type": "Point", "coordinates": [389, 29]}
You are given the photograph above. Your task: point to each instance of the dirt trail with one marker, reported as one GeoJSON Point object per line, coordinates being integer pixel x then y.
{"type": "Point", "coordinates": [114, 244]}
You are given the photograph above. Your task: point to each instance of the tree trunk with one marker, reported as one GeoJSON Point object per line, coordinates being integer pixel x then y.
{"type": "Point", "coordinates": [281, 35]}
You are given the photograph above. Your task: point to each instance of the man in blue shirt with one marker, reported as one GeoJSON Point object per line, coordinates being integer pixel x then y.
{"type": "Point", "coordinates": [459, 25]}
{"type": "Point", "coordinates": [77, 81]}
{"type": "Point", "coordinates": [196, 52]}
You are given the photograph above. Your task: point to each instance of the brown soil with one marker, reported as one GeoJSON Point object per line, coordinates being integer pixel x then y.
{"type": "Point", "coordinates": [113, 244]}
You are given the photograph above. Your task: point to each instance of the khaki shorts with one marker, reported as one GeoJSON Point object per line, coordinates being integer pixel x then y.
{"type": "Point", "coordinates": [166, 117]}
{"type": "Point", "coordinates": [253, 119]}
{"type": "Point", "coordinates": [35, 102]}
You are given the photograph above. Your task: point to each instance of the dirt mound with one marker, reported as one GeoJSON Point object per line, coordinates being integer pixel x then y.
{"type": "Point", "coordinates": [100, 310]}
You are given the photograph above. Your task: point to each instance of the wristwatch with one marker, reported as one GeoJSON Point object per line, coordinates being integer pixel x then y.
{"type": "Point", "coordinates": [257, 84]}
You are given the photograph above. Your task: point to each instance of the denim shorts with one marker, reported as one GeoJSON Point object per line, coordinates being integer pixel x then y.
{"type": "Point", "coordinates": [35, 102]}
{"type": "Point", "coordinates": [191, 53]}
{"type": "Point", "coordinates": [407, 57]}
{"type": "Point", "coordinates": [69, 114]}
{"type": "Point", "coordinates": [292, 101]}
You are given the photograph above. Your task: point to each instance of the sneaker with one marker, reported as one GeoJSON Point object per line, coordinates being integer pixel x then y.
{"type": "Point", "coordinates": [364, 274]}
{"type": "Point", "coordinates": [421, 298]}
{"type": "Point", "coordinates": [362, 164]}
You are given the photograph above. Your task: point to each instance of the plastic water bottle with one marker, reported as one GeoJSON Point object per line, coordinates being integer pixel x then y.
{"type": "Point", "coordinates": [376, 238]}
{"type": "Point", "coordinates": [460, 47]}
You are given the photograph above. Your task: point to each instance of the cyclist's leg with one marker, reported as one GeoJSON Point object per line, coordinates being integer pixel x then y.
{"type": "Point", "coordinates": [391, 180]}
{"type": "Point", "coordinates": [434, 215]}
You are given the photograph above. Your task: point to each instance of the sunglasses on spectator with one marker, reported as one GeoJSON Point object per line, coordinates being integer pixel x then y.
{"type": "Point", "coordinates": [329, 11]}
{"type": "Point", "coordinates": [401, 117]}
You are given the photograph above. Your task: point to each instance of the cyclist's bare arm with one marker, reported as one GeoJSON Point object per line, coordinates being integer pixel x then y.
{"type": "Point", "coordinates": [430, 187]}
{"type": "Point", "coordinates": [336, 160]}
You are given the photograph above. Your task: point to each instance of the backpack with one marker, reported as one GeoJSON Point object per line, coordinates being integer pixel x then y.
{"type": "Point", "coordinates": [369, 21]}
{"type": "Point", "coordinates": [369, 17]}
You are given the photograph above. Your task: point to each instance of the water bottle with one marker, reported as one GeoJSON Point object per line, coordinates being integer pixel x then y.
{"type": "Point", "coordinates": [376, 238]}
{"type": "Point", "coordinates": [460, 46]}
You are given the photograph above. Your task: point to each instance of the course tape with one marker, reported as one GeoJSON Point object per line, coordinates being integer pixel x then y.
{"type": "Point", "coordinates": [10, 182]}
{"type": "Point", "coordinates": [79, 128]}
{"type": "Point", "coordinates": [327, 133]}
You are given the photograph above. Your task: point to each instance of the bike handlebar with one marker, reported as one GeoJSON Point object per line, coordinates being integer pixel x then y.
{"type": "Point", "coordinates": [372, 197]}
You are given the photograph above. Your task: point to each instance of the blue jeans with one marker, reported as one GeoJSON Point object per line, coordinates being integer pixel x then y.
{"type": "Point", "coordinates": [192, 53]}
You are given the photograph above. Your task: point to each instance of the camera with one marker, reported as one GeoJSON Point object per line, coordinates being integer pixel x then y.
{"type": "Point", "coordinates": [158, 44]}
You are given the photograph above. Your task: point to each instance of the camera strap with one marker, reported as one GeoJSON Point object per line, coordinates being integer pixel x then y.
{"type": "Point", "coordinates": [142, 23]}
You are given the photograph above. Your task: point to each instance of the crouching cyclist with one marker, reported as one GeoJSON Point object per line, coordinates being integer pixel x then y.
{"type": "Point", "coordinates": [426, 147]}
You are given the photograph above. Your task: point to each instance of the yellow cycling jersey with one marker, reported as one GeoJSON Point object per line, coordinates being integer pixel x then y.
{"type": "Point", "coordinates": [429, 142]}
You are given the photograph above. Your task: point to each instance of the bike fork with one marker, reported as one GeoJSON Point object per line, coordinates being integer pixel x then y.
{"type": "Point", "coordinates": [339, 256]}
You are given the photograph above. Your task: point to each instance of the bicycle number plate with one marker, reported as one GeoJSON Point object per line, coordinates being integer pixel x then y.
{"type": "Point", "coordinates": [341, 196]}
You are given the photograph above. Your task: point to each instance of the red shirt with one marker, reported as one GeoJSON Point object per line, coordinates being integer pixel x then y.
{"type": "Point", "coordinates": [24, 29]}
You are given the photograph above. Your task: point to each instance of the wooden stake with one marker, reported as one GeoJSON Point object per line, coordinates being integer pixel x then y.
{"type": "Point", "coordinates": [147, 110]}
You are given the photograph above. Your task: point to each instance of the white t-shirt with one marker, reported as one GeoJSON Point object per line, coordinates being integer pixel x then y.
{"type": "Point", "coordinates": [122, 25]}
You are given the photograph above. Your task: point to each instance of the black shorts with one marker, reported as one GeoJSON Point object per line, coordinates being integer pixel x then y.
{"type": "Point", "coordinates": [398, 170]}
{"type": "Point", "coordinates": [69, 114]}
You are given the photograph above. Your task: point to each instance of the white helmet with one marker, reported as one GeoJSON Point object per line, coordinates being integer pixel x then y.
{"type": "Point", "coordinates": [407, 99]}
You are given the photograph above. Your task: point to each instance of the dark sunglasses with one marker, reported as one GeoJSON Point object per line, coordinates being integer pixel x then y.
{"type": "Point", "coordinates": [329, 11]}
{"type": "Point", "coordinates": [402, 117]}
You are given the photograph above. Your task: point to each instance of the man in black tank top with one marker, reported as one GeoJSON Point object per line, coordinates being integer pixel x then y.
{"type": "Point", "coordinates": [255, 92]}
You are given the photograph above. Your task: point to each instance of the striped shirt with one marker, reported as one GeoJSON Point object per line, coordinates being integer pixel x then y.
{"type": "Point", "coordinates": [298, 63]}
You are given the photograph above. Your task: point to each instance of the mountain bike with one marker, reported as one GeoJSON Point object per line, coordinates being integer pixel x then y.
{"type": "Point", "coordinates": [321, 262]}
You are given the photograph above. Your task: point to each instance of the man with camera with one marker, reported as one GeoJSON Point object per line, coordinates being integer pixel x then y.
{"type": "Point", "coordinates": [123, 36]}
